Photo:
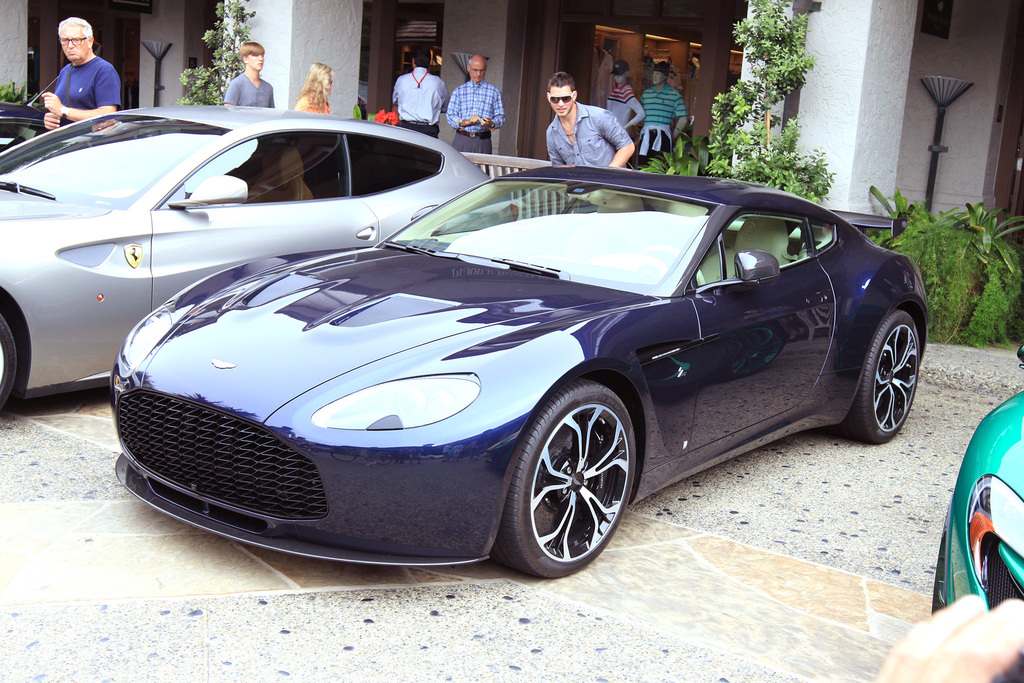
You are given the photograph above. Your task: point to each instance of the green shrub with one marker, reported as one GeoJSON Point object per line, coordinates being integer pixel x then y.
{"type": "Point", "coordinates": [973, 298]}
{"type": "Point", "coordinates": [13, 93]}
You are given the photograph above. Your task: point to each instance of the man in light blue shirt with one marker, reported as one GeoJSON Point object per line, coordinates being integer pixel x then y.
{"type": "Point", "coordinates": [247, 89]}
{"type": "Point", "coordinates": [582, 135]}
{"type": "Point", "coordinates": [475, 110]}
{"type": "Point", "coordinates": [419, 96]}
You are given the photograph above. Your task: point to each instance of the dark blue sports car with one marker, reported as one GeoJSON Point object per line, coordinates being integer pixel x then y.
{"type": "Point", "coordinates": [504, 375]}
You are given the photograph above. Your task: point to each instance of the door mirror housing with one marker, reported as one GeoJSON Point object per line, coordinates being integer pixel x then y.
{"type": "Point", "coordinates": [214, 191]}
{"type": "Point", "coordinates": [755, 266]}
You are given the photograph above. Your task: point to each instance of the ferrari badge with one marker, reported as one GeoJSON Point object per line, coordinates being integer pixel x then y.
{"type": "Point", "coordinates": [133, 255]}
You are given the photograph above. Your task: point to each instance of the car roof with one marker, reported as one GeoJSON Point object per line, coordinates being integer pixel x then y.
{"type": "Point", "coordinates": [721, 191]}
{"type": "Point", "coordinates": [227, 116]}
{"type": "Point", "coordinates": [22, 111]}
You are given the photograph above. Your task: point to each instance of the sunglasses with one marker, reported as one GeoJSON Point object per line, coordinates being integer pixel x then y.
{"type": "Point", "coordinates": [564, 99]}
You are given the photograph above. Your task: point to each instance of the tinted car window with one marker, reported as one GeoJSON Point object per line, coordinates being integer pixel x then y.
{"type": "Point", "coordinates": [281, 168]}
{"type": "Point", "coordinates": [105, 162]}
{"type": "Point", "coordinates": [379, 164]}
{"type": "Point", "coordinates": [13, 131]}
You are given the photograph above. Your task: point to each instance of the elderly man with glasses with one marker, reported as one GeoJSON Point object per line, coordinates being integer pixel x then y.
{"type": "Point", "coordinates": [582, 135]}
{"type": "Point", "coordinates": [88, 86]}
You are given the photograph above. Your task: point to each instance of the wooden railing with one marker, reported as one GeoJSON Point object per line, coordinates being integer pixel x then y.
{"type": "Point", "coordinates": [496, 165]}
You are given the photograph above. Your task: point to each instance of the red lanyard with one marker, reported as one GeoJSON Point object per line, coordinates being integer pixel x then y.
{"type": "Point", "coordinates": [418, 81]}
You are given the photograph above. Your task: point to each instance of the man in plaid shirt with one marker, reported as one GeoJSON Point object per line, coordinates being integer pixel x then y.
{"type": "Point", "coordinates": [475, 110]}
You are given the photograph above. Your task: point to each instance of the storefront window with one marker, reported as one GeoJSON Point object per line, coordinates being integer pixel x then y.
{"type": "Point", "coordinates": [596, 7]}
{"type": "Point", "coordinates": [682, 8]}
{"type": "Point", "coordinates": [634, 8]}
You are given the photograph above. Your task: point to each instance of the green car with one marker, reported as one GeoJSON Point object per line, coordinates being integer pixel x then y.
{"type": "Point", "coordinates": [982, 548]}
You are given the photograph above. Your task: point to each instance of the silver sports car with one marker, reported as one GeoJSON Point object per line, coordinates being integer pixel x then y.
{"type": "Point", "coordinates": [106, 219]}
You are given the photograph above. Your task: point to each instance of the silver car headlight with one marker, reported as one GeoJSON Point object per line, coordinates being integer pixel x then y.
{"type": "Point", "coordinates": [401, 404]}
{"type": "Point", "coordinates": [147, 334]}
{"type": "Point", "coordinates": [994, 509]}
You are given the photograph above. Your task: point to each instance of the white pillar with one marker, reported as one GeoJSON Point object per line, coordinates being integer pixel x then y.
{"type": "Point", "coordinates": [14, 42]}
{"type": "Point", "coordinates": [493, 29]}
{"type": "Point", "coordinates": [852, 105]}
{"type": "Point", "coordinates": [296, 33]}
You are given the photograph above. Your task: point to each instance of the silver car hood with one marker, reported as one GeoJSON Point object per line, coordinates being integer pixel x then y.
{"type": "Point", "coordinates": [23, 207]}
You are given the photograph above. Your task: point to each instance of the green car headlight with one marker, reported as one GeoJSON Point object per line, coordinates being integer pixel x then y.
{"type": "Point", "coordinates": [402, 404]}
{"type": "Point", "coordinates": [995, 513]}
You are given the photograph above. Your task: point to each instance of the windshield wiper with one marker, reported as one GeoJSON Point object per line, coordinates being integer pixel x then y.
{"type": "Point", "coordinates": [413, 249]}
{"type": "Point", "coordinates": [524, 267]}
{"type": "Point", "coordinates": [24, 189]}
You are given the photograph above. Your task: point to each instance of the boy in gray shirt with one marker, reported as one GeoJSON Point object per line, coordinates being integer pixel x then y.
{"type": "Point", "coordinates": [246, 89]}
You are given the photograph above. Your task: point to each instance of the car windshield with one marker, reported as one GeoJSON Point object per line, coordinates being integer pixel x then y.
{"type": "Point", "coordinates": [107, 162]}
{"type": "Point", "coordinates": [578, 231]}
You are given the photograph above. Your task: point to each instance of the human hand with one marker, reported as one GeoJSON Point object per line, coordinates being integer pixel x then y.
{"type": "Point", "coordinates": [961, 643]}
{"type": "Point", "coordinates": [52, 103]}
{"type": "Point", "coordinates": [473, 119]}
{"type": "Point", "coordinates": [51, 121]}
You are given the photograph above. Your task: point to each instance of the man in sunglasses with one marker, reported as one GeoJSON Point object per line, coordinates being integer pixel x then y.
{"type": "Point", "coordinates": [88, 86]}
{"type": "Point", "coordinates": [582, 135]}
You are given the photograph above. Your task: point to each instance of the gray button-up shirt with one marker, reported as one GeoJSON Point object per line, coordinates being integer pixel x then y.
{"type": "Point", "coordinates": [598, 136]}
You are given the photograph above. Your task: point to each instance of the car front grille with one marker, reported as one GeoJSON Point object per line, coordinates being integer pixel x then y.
{"type": "Point", "coordinates": [219, 457]}
{"type": "Point", "coordinates": [1001, 585]}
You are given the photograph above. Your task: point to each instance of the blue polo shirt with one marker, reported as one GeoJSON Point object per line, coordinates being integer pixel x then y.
{"type": "Point", "coordinates": [93, 84]}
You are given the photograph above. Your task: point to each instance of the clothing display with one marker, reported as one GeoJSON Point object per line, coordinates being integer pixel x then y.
{"type": "Point", "coordinates": [624, 105]}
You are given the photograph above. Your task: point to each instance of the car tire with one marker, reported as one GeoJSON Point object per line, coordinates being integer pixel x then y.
{"type": "Point", "coordinates": [888, 382]}
{"type": "Point", "coordinates": [565, 503]}
{"type": "Point", "coordinates": [8, 361]}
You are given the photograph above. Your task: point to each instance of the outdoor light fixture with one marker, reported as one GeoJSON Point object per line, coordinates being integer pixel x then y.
{"type": "Point", "coordinates": [158, 49]}
{"type": "Point", "coordinates": [944, 91]}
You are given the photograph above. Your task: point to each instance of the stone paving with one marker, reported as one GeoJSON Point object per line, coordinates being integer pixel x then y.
{"type": "Point", "coordinates": [95, 585]}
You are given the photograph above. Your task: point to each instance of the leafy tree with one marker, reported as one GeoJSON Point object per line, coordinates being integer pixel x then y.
{"type": "Point", "coordinates": [742, 142]}
{"type": "Point", "coordinates": [207, 85]}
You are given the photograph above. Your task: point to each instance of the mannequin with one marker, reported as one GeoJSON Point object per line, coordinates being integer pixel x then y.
{"type": "Point", "coordinates": [621, 102]}
{"type": "Point", "coordinates": [666, 114]}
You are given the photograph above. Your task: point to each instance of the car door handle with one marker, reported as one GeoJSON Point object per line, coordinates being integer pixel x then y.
{"type": "Point", "coordinates": [367, 233]}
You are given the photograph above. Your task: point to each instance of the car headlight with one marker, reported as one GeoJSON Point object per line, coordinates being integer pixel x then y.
{"type": "Point", "coordinates": [996, 513]}
{"type": "Point", "coordinates": [401, 404]}
{"type": "Point", "coordinates": [148, 333]}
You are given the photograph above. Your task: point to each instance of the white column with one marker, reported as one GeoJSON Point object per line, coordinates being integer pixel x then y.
{"type": "Point", "coordinates": [297, 33]}
{"type": "Point", "coordinates": [14, 42]}
{"type": "Point", "coordinates": [852, 105]}
{"type": "Point", "coordinates": [493, 29]}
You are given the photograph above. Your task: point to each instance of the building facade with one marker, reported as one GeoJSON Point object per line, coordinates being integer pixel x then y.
{"type": "Point", "coordinates": [864, 104]}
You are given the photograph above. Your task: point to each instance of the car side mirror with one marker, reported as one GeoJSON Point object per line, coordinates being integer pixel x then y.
{"type": "Point", "coordinates": [1020, 356]}
{"type": "Point", "coordinates": [215, 190]}
{"type": "Point", "coordinates": [755, 266]}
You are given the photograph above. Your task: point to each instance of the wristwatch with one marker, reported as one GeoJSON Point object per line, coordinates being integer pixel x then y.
{"type": "Point", "coordinates": [64, 111]}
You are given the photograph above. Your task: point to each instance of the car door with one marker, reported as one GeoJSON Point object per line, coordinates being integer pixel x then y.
{"type": "Point", "coordinates": [763, 346]}
{"type": "Point", "coordinates": [299, 199]}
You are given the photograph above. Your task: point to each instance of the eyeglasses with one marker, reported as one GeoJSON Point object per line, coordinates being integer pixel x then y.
{"type": "Point", "coordinates": [564, 99]}
{"type": "Point", "coordinates": [72, 41]}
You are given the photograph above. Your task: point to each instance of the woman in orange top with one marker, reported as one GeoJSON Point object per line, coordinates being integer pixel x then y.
{"type": "Point", "coordinates": [316, 90]}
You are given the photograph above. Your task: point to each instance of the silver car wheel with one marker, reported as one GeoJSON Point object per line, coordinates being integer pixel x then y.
{"type": "Point", "coordinates": [579, 487]}
{"type": "Point", "coordinates": [895, 378]}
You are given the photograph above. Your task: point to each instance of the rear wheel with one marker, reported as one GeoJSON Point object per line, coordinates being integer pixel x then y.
{"type": "Point", "coordinates": [8, 361]}
{"type": "Point", "coordinates": [572, 479]}
{"type": "Point", "coordinates": [888, 382]}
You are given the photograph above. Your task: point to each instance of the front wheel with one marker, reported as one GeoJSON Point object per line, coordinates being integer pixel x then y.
{"type": "Point", "coordinates": [888, 382]}
{"type": "Point", "coordinates": [8, 361]}
{"type": "Point", "coordinates": [572, 480]}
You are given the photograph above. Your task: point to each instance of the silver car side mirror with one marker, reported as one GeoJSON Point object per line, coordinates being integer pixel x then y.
{"type": "Point", "coordinates": [215, 190]}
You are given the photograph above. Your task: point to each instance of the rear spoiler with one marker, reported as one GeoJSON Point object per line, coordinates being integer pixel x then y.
{"type": "Point", "coordinates": [867, 221]}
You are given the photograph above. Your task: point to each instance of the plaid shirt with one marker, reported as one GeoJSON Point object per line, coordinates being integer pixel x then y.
{"type": "Point", "coordinates": [482, 99]}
